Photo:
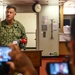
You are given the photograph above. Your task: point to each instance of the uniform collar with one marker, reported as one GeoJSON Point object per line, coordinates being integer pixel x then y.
{"type": "Point", "coordinates": [13, 24]}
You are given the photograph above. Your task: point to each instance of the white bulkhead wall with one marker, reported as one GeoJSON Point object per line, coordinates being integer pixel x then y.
{"type": "Point", "coordinates": [49, 46]}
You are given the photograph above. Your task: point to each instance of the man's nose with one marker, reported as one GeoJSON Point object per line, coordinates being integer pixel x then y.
{"type": "Point", "coordinates": [8, 13]}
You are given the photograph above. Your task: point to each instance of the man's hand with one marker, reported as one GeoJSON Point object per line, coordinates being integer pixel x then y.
{"type": "Point", "coordinates": [20, 62]}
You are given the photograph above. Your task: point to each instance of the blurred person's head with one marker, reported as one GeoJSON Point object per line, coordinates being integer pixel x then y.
{"type": "Point", "coordinates": [61, 68]}
{"type": "Point", "coordinates": [71, 45]}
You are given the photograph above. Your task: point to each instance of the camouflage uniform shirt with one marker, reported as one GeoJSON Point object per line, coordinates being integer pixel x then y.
{"type": "Point", "coordinates": [10, 33]}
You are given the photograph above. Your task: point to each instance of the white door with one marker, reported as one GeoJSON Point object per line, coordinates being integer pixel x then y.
{"type": "Point", "coordinates": [29, 22]}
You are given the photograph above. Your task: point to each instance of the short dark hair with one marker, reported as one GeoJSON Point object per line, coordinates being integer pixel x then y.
{"type": "Point", "coordinates": [11, 6]}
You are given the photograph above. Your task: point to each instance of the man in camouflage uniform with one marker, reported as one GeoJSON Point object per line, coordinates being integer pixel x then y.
{"type": "Point", "coordinates": [10, 29]}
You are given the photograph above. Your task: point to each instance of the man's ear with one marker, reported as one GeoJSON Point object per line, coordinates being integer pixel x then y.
{"type": "Point", "coordinates": [15, 13]}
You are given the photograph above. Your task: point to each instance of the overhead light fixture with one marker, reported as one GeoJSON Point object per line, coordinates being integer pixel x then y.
{"type": "Point", "coordinates": [72, 4]}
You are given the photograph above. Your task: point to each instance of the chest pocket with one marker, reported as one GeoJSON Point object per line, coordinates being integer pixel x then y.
{"type": "Point", "coordinates": [16, 32]}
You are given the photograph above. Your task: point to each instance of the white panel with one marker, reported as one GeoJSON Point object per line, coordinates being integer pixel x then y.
{"type": "Point", "coordinates": [67, 10]}
{"type": "Point", "coordinates": [1, 13]}
{"type": "Point", "coordinates": [31, 40]}
{"type": "Point", "coordinates": [29, 22]}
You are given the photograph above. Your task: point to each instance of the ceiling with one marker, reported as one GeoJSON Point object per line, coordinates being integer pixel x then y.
{"type": "Point", "coordinates": [24, 2]}
{"type": "Point", "coordinates": [30, 2]}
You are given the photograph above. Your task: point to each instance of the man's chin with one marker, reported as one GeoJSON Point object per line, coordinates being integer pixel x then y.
{"type": "Point", "coordinates": [8, 19]}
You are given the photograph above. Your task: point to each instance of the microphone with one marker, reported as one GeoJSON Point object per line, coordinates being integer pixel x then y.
{"type": "Point", "coordinates": [22, 43]}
